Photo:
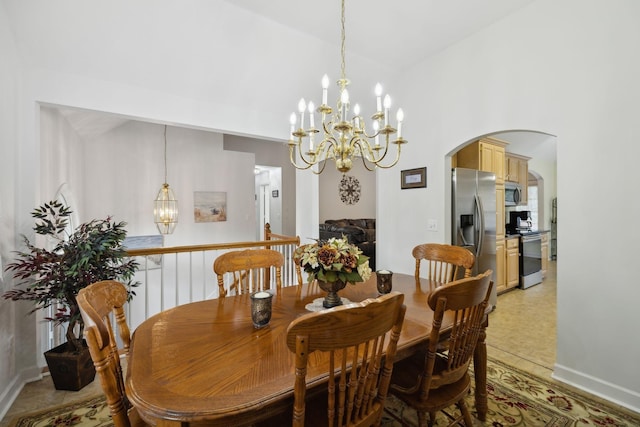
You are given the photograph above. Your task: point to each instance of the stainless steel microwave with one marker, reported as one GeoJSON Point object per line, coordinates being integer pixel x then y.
{"type": "Point", "coordinates": [512, 194]}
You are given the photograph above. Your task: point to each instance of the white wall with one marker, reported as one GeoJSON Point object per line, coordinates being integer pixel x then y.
{"type": "Point", "coordinates": [63, 158]}
{"type": "Point", "coordinates": [332, 207]}
{"type": "Point", "coordinates": [17, 338]}
{"type": "Point", "coordinates": [568, 68]}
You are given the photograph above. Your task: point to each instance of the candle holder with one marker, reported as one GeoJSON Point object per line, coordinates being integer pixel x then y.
{"type": "Point", "coordinates": [384, 281]}
{"type": "Point", "coordinates": [261, 309]}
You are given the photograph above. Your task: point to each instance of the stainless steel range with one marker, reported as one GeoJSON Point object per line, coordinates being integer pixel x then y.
{"type": "Point", "coordinates": [530, 259]}
{"type": "Point", "coordinates": [530, 248]}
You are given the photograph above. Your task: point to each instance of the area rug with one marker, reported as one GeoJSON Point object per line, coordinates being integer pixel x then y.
{"type": "Point", "coordinates": [516, 398]}
{"type": "Point", "coordinates": [89, 412]}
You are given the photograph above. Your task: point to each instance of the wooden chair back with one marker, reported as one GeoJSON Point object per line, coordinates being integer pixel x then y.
{"type": "Point", "coordinates": [354, 335]}
{"type": "Point", "coordinates": [442, 378]}
{"type": "Point", "coordinates": [99, 303]}
{"type": "Point", "coordinates": [444, 263]}
{"type": "Point", "coordinates": [250, 270]}
{"type": "Point", "coordinates": [465, 301]}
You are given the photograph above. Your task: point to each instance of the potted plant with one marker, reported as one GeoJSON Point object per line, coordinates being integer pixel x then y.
{"type": "Point", "coordinates": [334, 263]}
{"type": "Point", "coordinates": [53, 277]}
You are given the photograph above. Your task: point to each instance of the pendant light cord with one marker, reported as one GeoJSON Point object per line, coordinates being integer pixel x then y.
{"type": "Point", "coordinates": [165, 154]}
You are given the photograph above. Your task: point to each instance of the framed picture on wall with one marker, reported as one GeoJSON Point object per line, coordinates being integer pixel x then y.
{"type": "Point", "coordinates": [209, 206]}
{"type": "Point", "coordinates": [413, 178]}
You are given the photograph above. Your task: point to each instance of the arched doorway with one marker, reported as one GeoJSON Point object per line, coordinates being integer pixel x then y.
{"type": "Point", "coordinates": [540, 150]}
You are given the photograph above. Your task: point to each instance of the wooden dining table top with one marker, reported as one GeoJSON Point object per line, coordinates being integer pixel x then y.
{"type": "Point", "coordinates": [206, 361]}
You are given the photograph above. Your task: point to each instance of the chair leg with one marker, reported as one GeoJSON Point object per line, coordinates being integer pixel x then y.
{"type": "Point", "coordinates": [432, 418]}
{"type": "Point", "coordinates": [420, 418]}
{"type": "Point", "coordinates": [468, 421]}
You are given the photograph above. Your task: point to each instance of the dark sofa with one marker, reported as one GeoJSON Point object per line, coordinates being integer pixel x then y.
{"type": "Point", "coordinates": [360, 232]}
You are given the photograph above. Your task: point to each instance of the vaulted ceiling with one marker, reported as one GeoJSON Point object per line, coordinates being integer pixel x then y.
{"type": "Point", "coordinates": [395, 35]}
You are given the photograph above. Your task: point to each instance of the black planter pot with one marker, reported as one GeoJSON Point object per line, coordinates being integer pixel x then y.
{"type": "Point", "coordinates": [70, 370]}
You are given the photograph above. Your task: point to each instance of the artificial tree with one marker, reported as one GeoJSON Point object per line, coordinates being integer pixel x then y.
{"type": "Point", "coordinates": [54, 276]}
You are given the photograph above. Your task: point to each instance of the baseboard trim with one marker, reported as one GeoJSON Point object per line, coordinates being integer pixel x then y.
{"type": "Point", "coordinates": [613, 393]}
{"type": "Point", "coordinates": [11, 393]}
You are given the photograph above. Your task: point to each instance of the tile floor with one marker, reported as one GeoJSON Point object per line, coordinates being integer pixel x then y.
{"type": "Point", "coordinates": [522, 328]}
{"type": "Point", "coordinates": [511, 337]}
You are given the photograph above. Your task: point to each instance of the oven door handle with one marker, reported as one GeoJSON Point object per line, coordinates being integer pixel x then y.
{"type": "Point", "coordinates": [533, 238]}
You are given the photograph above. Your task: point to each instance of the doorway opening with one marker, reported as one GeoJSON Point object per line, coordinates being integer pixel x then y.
{"type": "Point", "coordinates": [268, 200]}
{"type": "Point", "coordinates": [540, 149]}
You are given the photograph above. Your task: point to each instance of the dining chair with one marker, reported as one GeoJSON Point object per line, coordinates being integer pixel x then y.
{"type": "Point", "coordinates": [444, 263]}
{"type": "Point", "coordinates": [98, 302]}
{"type": "Point", "coordinates": [360, 364]}
{"type": "Point", "coordinates": [434, 381]}
{"type": "Point", "coordinates": [249, 269]}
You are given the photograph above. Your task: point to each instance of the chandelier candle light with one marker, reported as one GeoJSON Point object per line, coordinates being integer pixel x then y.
{"type": "Point", "coordinates": [165, 210]}
{"type": "Point", "coordinates": [344, 136]}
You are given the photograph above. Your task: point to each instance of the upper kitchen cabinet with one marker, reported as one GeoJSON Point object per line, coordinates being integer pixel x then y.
{"type": "Point", "coordinates": [486, 154]}
{"type": "Point", "coordinates": [517, 170]}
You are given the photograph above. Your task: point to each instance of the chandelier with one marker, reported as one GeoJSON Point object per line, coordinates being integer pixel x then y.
{"type": "Point", "coordinates": [344, 133]}
{"type": "Point", "coordinates": [165, 210]}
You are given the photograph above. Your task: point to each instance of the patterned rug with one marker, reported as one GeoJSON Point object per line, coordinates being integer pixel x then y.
{"type": "Point", "coordinates": [88, 412]}
{"type": "Point", "coordinates": [516, 398]}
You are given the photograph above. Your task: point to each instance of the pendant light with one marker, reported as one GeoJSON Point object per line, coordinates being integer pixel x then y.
{"type": "Point", "coordinates": [165, 211]}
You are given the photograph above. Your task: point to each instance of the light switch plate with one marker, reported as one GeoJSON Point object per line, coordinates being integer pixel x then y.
{"type": "Point", "coordinates": [432, 225]}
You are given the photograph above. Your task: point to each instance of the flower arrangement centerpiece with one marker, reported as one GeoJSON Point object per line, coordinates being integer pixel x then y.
{"type": "Point", "coordinates": [334, 263]}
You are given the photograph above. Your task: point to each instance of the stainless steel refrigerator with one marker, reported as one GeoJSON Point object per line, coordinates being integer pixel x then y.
{"type": "Point", "coordinates": [473, 209]}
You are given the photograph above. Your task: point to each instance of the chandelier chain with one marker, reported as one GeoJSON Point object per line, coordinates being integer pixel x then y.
{"type": "Point", "coordinates": [342, 47]}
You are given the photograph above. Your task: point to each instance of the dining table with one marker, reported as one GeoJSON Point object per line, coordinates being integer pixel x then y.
{"type": "Point", "coordinates": [206, 362]}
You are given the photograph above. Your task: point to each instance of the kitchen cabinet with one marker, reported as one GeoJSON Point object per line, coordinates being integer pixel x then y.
{"type": "Point", "coordinates": [512, 168]}
{"type": "Point", "coordinates": [512, 262]}
{"type": "Point", "coordinates": [544, 253]}
{"type": "Point", "coordinates": [517, 170]}
{"type": "Point", "coordinates": [499, 274]}
{"type": "Point", "coordinates": [486, 154]}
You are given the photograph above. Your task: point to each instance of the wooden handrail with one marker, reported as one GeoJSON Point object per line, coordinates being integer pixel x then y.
{"type": "Point", "coordinates": [269, 236]}
{"type": "Point", "coordinates": [210, 247]}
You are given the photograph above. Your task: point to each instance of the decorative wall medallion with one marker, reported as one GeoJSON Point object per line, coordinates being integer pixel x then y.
{"type": "Point", "coordinates": [349, 190]}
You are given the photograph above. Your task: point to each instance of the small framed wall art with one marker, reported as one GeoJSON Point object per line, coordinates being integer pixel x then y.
{"type": "Point", "coordinates": [413, 178]}
{"type": "Point", "coordinates": [209, 206]}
